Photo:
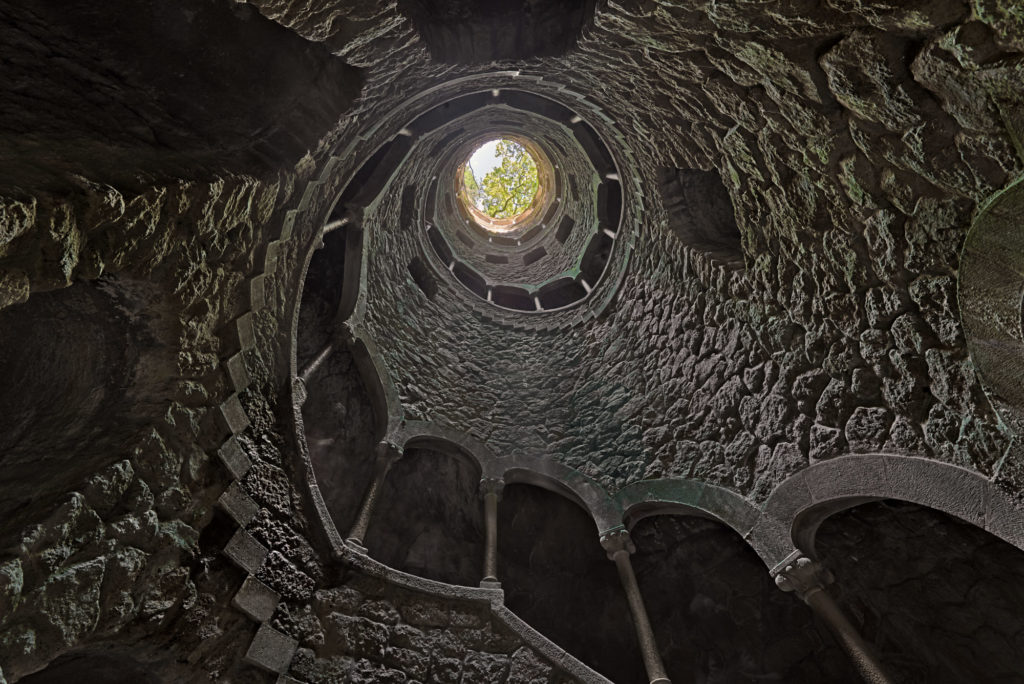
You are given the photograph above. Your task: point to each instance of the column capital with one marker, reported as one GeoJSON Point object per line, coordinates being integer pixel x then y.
{"type": "Point", "coordinates": [492, 485]}
{"type": "Point", "coordinates": [389, 452]}
{"type": "Point", "coordinates": [803, 576]}
{"type": "Point", "coordinates": [617, 541]}
{"type": "Point", "coordinates": [346, 333]}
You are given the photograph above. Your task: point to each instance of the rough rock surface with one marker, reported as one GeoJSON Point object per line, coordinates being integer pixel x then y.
{"type": "Point", "coordinates": [150, 154]}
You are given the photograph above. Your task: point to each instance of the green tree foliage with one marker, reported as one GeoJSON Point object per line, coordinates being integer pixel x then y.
{"type": "Point", "coordinates": [508, 189]}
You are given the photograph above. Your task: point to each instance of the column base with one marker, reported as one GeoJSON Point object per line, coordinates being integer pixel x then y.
{"type": "Point", "coordinates": [490, 584]}
{"type": "Point", "coordinates": [661, 680]}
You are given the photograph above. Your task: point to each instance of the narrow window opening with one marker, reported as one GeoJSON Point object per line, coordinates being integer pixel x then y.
{"type": "Point", "coordinates": [700, 212]}
{"type": "Point", "coordinates": [422, 277]}
{"type": "Point", "coordinates": [564, 229]}
{"type": "Point", "coordinates": [561, 293]}
{"type": "Point", "coordinates": [513, 298]}
{"type": "Point", "coordinates": [471, 279]}
{"type": "Point", "coordinates": [534, 256]}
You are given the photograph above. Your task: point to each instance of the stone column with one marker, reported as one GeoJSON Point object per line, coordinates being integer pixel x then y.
{"type": "Point", "coordinates": [619, 547]}
{"type": "Point", "coordinates": [490, 489]}
{"type": "Point", "coordinates": [808, 579]}
{"type": "Point", "coordinates": [387, 454]}
{"type": "Point", "coordinates": [316, 363]}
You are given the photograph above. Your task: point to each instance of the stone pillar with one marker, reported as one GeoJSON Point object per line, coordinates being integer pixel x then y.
{"type": "Point", "coordinates": [808, 579]}
{"type": "Point", "coordinates": [619, 547]}
{"type": "Point", "coordinates": [490, 489]}
{"type": "Point", "coordinates": [387, 454]}
{"type": "Point", "coordinates": [316, 363]}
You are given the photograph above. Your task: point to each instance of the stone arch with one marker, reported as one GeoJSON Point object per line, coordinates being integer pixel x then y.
{"type": "Point", "coordinates": [990, 288]}
{"type": "Point", "coordinates": [716, 614]}
{"type": "Point", "coordinates": [674, 496]}
{"type": "Point", "coordinates": [557, 577]}
{"type": "Point", "coordinates": [519, 469]}
{"type": "Point", "coordinates": [417, 433]}
{"type": "Point", "coordinates": [803, 501]}
{"type": "Point", "coordinates": [429, 520]}
{"type": "Point", "coordinates": [571, 484]}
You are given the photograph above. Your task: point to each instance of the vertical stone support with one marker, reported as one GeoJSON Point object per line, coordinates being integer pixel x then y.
{"type": "Point", "coordinates": [808, 579]}
{"type": "Point", "coordinates": [387, 454]}
{"type": "Point", "coordinates": [619, 547]}
{"type": "Point", "coordinates": [317, 362]}
{"type": "Point", "coordinates": [490, 490]}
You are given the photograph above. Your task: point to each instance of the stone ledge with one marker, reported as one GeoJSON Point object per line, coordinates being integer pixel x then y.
{"type": "Point", "coordinates": [271, 650]}
{"type": "Point", "coordinates": [245, 551]}
{"type": "Point", "coordinates": [256, 599]}
{"type": "Point", "coordinates": [238, 504]}
{"type": "Point", "coordinates": [234, 459]}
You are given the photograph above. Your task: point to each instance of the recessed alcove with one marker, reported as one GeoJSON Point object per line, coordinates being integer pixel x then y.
{"type": "Point", "coordinates": [473, 281]}
{"type": "Point", "coordinates": [429, 521]}
{"type": "Point", "coordinates": [483, 31]}
{"type": "Point", "coordinates": [558, 578]}
{"type": "Point", "coordinates": [340, 435]}
{"type": "Point", "coordinates": [534, 256]}
{"type": "Point", "coordinates": [941, 599]}
{"type": "Point", "coordinates": [74, 358]}
{"type": "Point", "coordinates": [565, 227]}
{"type": "Point", "coordinates": [562, 292]}
{"type": "Point", "coordinates": [595, 258]}
{"type": "Point", "coordinates": [423, 278]}
{"type": "Point", "coordinates": [374, 174]}
{"type": "Point", "coordinates": [322, 295]}
{"type": "Point", "coordinates": [717, 614]}
{"type": "Point", "coordinates": [700, 211]}
{"type": "Point", "coordinates": [512, 298]}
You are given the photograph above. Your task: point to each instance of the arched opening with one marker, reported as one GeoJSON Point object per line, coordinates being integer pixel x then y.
{"type": "Point", "coordinates": [429, 520]}
{"type": "Point", "coordinates": [942, 600]}
{"type": "Point", "coordinates": [339, 422]}
{"type": "Point", "coordinates": [700, 212]}
{"type": "Point", "coordinates": [558, 578]}
{"type": "Point", "coordinates": [718, 616]}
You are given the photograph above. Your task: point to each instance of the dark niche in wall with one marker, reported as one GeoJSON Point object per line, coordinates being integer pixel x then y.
{"type": "Point", "coordinates": [717, 614]}
{"type": "Point", "coordinates": [338, 418]}
{"type": "Point", "coordinates": [558, 578]}
{"type": "Point", "coordinates": [321, 296]}
{"type": "Point", "coordinates": [534, 256]}
{"type": "Point", "coordinates": [941, 600]}
{"type": "Point", "coordinates": [484, 30]}
{"type": "Point", "coordinates": [700, 212]}
{"type": "Point", "coordinates": [422, 277]}
{"type": "Point", "coordinates": [430, 519]}
{"type": "Point", "coordinates": [564, 229]}
{"type": "Point", "coordinates": [85, 367]}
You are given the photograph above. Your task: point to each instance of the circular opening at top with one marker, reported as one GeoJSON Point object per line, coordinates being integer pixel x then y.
{"type": "Point", "coordinates": [500, 183]}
